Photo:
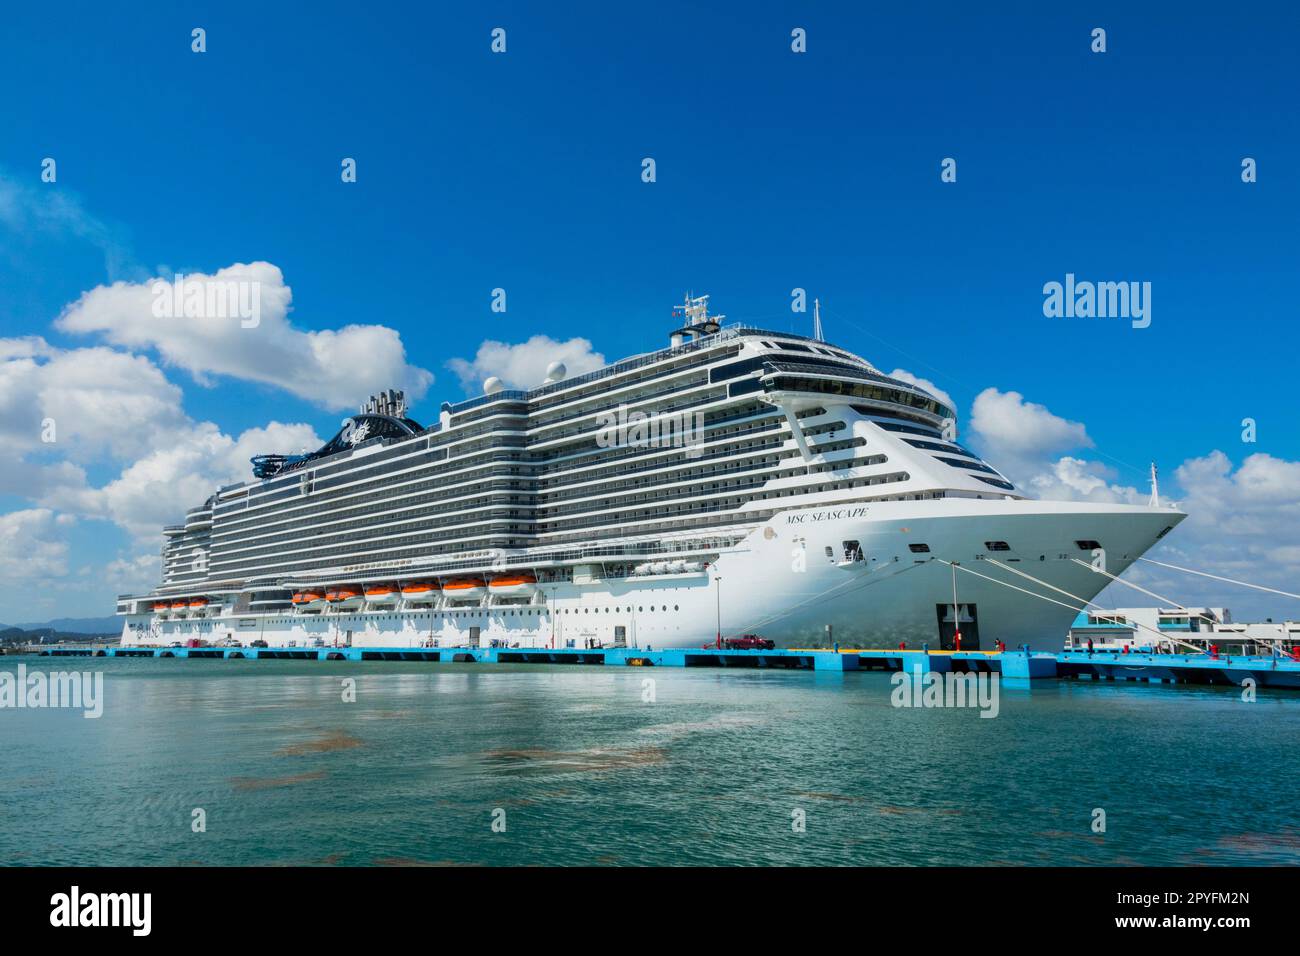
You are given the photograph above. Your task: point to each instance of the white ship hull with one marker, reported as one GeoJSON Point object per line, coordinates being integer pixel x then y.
{"type": "Point", "coordinates": [780, 582]}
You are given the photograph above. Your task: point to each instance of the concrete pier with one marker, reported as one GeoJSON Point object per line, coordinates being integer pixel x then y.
{"type": "Point", "coordinates": [1012, 665]}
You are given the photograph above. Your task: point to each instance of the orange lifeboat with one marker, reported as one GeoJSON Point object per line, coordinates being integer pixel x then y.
{"type": "Point", "coordinates": [464, 589]}
{"type": "Point", "coordinates": [420, 592]}
{"type": "Point", "coordinates": [344, 596]}
{"type": "Point", "coordinates": [381, 594]}
{"type": "Point", "coordinates": [161, 607]}
{"type": "Point", "coordinates": [309, 600]}
{"type": "Point", "coordinates": [514, 585]}
{"type": "Point", "coordinates": [180, 607]}
{"type": "Point", "coordinates": [198, 603]}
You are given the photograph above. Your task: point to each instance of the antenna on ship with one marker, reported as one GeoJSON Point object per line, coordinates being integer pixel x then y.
{"type": "Point", "coordinates": [1155, 488]}
{"type": "Point", "coordinates": [817, 321]}
{"type": "Point", "coordinates": [695, 310]}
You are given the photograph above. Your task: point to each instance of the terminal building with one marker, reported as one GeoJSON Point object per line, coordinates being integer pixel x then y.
{"type": "Point", "coordinates": [1183, 628]}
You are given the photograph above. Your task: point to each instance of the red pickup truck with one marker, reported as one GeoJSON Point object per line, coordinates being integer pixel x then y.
{"type": "Point", "coordinates": [748, 642]}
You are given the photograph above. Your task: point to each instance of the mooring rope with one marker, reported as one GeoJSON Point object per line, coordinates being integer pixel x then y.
{"type": "Point", "coordinates": [1206, 574]}
{"type": "Point", "coordinates": [1160, 634]}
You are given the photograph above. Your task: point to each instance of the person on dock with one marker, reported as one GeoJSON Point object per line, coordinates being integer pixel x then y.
{"type": "Point", "coordinates": [1090, 647]}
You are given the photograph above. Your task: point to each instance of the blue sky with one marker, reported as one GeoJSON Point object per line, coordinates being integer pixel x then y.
{"type": "Point", "coordinates": [775, 170]}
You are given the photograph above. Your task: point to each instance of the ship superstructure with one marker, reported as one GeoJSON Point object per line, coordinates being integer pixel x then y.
{"type": "Point", "coordinates": [739, 480]}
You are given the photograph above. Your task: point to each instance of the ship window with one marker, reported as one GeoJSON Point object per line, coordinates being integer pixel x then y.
{"type": "Point", "coordinates": [997, 546]}
{"type": "Point", "coordinates": [1087, 544]}
{"type": "Point", "coordinates": [919, 548]}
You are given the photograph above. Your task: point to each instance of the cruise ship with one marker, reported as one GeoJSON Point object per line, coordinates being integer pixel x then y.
{"type": "Point", "coordinates": [739, 481]}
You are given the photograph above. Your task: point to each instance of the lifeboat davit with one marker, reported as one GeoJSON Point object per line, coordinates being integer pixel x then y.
{"type": "Point", "coordinates": [309, 600]}
{"type": "Point", "coordinates": [420, 592]}
{"type": "Point", "coordinates": [381, 594]}
{"type": "Point", "coordinates": [344, 596]}
{"type": "Point", "coordinates": [514, 585]}
{"type": "Point", "coordinates": [464, 589]}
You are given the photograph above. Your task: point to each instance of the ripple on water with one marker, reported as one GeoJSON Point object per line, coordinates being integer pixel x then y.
{"type": "Point", "coordinates": [268, 783]}
{"type": "Point", "coordinates": [338, 740]}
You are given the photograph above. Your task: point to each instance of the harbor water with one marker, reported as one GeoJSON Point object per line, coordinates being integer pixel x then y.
{"type": "Point", "coordinates": [198, 762]}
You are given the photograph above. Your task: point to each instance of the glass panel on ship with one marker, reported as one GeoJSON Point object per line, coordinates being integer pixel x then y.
{"type": "Point", "coordinates": [707, 489]}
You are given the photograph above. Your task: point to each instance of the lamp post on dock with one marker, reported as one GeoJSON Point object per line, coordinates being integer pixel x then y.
{"type": "Point", "coordinates": [718, 593]}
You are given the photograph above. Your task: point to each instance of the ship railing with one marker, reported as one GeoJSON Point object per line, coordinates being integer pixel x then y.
{"type": "Point", "coordinates": [628, 365]}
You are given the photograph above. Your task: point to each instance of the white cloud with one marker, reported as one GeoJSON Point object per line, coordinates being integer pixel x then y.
{"type": "Point", "coordinates": [523, 365]}
{"type": "Point", "coordinates": [1025, 441]}
{"type": "Point", "coordinates": [105, 406]}
{"type": "Point", "coordinates": [160, 487]}
{"type": "Point", "coordinates": [1009, 425]}
{"type": "Point", "coordinates": [93, 402]}
{"type": "Point", "coordinates": [132, 575]}
{"type": "Point", "coordinates": [1074, 479]}
{"type": "Point", "coordinates": [31, 546]}
{"type": "Point", "coordinates": [904, 375]}
{"type": "Point", "coordinates": [335, 369]}
{"type": "Point", "coordinates": [1242, 523]}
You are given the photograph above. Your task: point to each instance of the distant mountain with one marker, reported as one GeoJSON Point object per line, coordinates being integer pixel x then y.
{"type": "Point", "coordinates": [45, 635]}
{"type": "Point", "coordinates": [77, 625]}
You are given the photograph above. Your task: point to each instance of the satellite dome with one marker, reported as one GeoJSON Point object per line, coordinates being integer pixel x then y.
{"type": "Point", "coordinates": [492, 385]}
{"type": "Point", "coordinates": [556, 371]}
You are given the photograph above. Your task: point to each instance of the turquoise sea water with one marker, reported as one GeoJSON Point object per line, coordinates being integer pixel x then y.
{"type": "Point", "coordinates": [587, 772]}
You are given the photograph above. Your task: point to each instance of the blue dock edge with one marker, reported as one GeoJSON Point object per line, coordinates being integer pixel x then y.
{"type": "Point", "coordinates": [1014, 666]}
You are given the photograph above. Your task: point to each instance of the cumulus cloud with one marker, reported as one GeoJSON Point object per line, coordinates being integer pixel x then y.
{"type": "Point", "coordinates": [31, 545]}
{"type": "Point", "coordinates": [1026, 442]}
{"type": "Point", "coordinates": [1243, 521]}
{"type": "Point", "coordinates": [64, 410]}
{"type": "Point", "coordinates": [1075, 479]}
{"type": "Point", "coordinates": [132, 574]}
{"type": "Point", "coordinates": [83, 403]}
{"type": "Point", "coordinates": [1008, 424]}
{"type": "Point", "coordinates": [903, 375]}
{"type": "Point", "coordinates": [235, 323]}
{"type": "Point", "coordinates": [161, 486]}
{"type": "Point", "coordinates": [523, 365]}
